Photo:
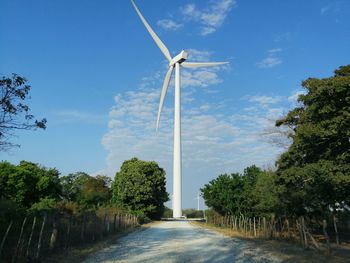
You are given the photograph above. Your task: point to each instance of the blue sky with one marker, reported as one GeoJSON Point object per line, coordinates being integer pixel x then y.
{"type": "Point", "coordinates": [96, 76]}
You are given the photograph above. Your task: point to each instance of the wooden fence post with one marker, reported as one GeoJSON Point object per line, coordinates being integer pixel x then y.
{"type": "Point", "coordinates": [19, 240]}
{"type": "Point", "coordinates": [41, 236]}
{"type": "Point", "coordinates": [254, 226]}
{"type": "Point", "coordinates": [82, 233]}
{"type": "Point", "coordinates": [54, 234]}
{"type": "Point", "coordinates": [288, 229]}
{"type": "Point", "coordinates": [5, 236]}
{"type": "Point", "coordinates": [326, 236]}
{"type": "Point", "coordinates": [114, 223]}
{"type": "Point", "coordinates": [304, 231]}
{"type": "Point", "coordinates": [68, 231]}
{"type": "Point", "coordinates": [250, 226]}
{"type": "Point", "coordinates": [336, 230]}
{"type": "Point", "coordinates": [300, 233]}
{"type": "Point", "coordinates": [31, 236]}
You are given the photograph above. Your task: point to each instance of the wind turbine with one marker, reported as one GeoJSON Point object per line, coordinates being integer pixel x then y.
{"type": "Point", "coordinates": [197, 198]}
{"type": "Point", "coordinates": [174, 62]}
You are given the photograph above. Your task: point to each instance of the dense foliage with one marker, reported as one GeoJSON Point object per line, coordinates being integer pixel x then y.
{"type": "Point", "coordinates": [313, 175]}
{"type": "Point", "coordinates": [315, 171]}
{"type": "Point", "coordinates": [251, 193]}
{"type": "Point", "coordinates": [139, 187]}
{"type": "Point", "coordinates": [14, 113]}
{"type": "Point", "coordinates": [26, 183]}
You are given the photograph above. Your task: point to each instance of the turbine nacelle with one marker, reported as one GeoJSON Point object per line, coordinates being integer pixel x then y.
{"type": "Point", "coordinates": [181, 57]}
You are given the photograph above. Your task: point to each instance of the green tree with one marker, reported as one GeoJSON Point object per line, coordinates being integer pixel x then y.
{"type": "Point", "coordinates": [28, 182]}
{"type": "Point", "coordinates": [253, 193]}
{"type": "Point", "coordinates": [265, 194]}
{"type": "Point", "coordinates": [86, 190]}
{"type": "Point", "coordinates": [72, 185]}
{"type": "Point", "coordinates": [224, 194]}
{"type": "Point", "coordinates": [139, 187]}
{"type": "Point", "coordinates": [14, 113]}
{"type": "Point", "coordinates": [315, 171]}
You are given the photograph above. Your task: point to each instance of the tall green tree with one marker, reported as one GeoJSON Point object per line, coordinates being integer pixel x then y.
{"type": "Point", "coordinates": [14, 112]}
{"type": "Point", "coordinates": [26, 183]}
{"type": "Point", "coordinates": [86, 190]}
{"type": "Point", "coordinates": [252, 193]}
{"type": "Point", "coordinates": [224, 194]}
{"type": "Point", "coordinates": [139, 186]}
{"type": "Point", "coordinates": [315, 171]}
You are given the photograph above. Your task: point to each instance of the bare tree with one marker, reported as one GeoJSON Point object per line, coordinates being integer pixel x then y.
{"type": "Point", "coordinates": [14, 113]}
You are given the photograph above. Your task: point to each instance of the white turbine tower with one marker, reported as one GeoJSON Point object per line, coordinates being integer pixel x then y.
{"type": "Point", "coordinates": [174, 62]}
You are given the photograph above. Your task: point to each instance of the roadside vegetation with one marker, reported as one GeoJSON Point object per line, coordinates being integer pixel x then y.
{"type": "Point", "coordinates": [43, 213]}
{"type": "Point", "coordinates": [307, 195]}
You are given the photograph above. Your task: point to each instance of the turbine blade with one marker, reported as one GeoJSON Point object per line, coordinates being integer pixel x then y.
{"type": "Point", "coordinates": [163, 93]}
{"type": "Point", "coordinates": [159, 43]}
{"type": "Point", "coordinates": [201, 64]}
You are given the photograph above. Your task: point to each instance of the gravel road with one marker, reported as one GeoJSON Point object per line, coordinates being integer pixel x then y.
{"type": "Point", "coordinates": [180, 241]}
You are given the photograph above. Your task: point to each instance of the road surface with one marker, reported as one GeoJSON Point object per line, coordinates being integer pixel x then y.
{"type": "Point", "coordinates": [180, 241]}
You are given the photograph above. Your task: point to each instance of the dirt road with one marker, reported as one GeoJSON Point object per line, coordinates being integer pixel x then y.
{"type": "Point", "coordinates": [180, 242]}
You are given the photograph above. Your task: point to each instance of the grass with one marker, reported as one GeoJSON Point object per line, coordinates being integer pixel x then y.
{"type": "Point", "coordinates": [78, 254]}
{"type": "Point", "coordinates": [288, 251]}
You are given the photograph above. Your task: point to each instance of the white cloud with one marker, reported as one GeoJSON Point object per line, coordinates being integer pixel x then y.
{"type": "Point", "coordinates": [198, 55]}
{"type": "Point", "coordinates": [80, 117]}
{"type": "Point", "coordinates": [210, 18]}
{"type": "Point", "coordinates": [269, 62]}
{"type": "Point", "coordinates": [264, 100]}
{"type": "Point", "coordinates": [284, 37]}
{"type": "Point", "coordinates": [168, 24]}
{"type": "Point", "coordinates": [215, 138]}
{"type": "Point", "coordinates": [274, 50]}
{"type": "Point", "coordinates": [293, 98]}
{"type": "Point", "coordinates": [324, 9]}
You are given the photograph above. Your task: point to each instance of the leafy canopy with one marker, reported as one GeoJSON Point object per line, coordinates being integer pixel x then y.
{"type": "Point", "coordinates": [315, 171]}
{"type": "Point", "coordinates": [139, 187]}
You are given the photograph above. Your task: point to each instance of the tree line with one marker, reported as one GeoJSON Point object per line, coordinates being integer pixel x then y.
{"type": "Point", "coordinates": [42, 212]}
{"type": "Point", "coordinates": [312, 178]}
{"type": "Point", "coordinates": [138, 188]}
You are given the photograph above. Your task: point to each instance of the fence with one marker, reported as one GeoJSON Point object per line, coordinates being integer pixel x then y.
{"type": "Point", "coordinates": [306, 231]}
{"type": "Point", "coordinates": [35, 236]}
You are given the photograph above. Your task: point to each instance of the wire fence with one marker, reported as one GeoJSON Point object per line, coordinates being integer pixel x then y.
{"type": "Point", "coordinates": [308, 232]}
{"type": "Point", "coordinates": [34, 236]}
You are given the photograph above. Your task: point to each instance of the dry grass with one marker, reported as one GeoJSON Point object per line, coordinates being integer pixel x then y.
{"type": "Point", "coordinates": [80, 253]}
{"type": "Point", "coordinates": [287, 251]}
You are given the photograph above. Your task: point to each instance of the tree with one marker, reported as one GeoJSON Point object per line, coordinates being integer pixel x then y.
{"type": "Point", "coordinates": [253, 193]}
{"type": "Point", "coordinates": [26, 183]}
{"type": "Point", "coordinates": [139, 187]}
{"type": "Point", "coordinates": [14, 113]}
{"type": "Point", "coordinates": [94, 192]}
{"type": "Point", "coordinates": [265, 194]}
{"type": "Point", "coordinates": [72, 185]}
{"type": "Point", "coordinates": [86, 190]}
{"type": "Point", "coordinates": [224, 194]}
{"type": "Point", "coordinates": [315, 171]}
